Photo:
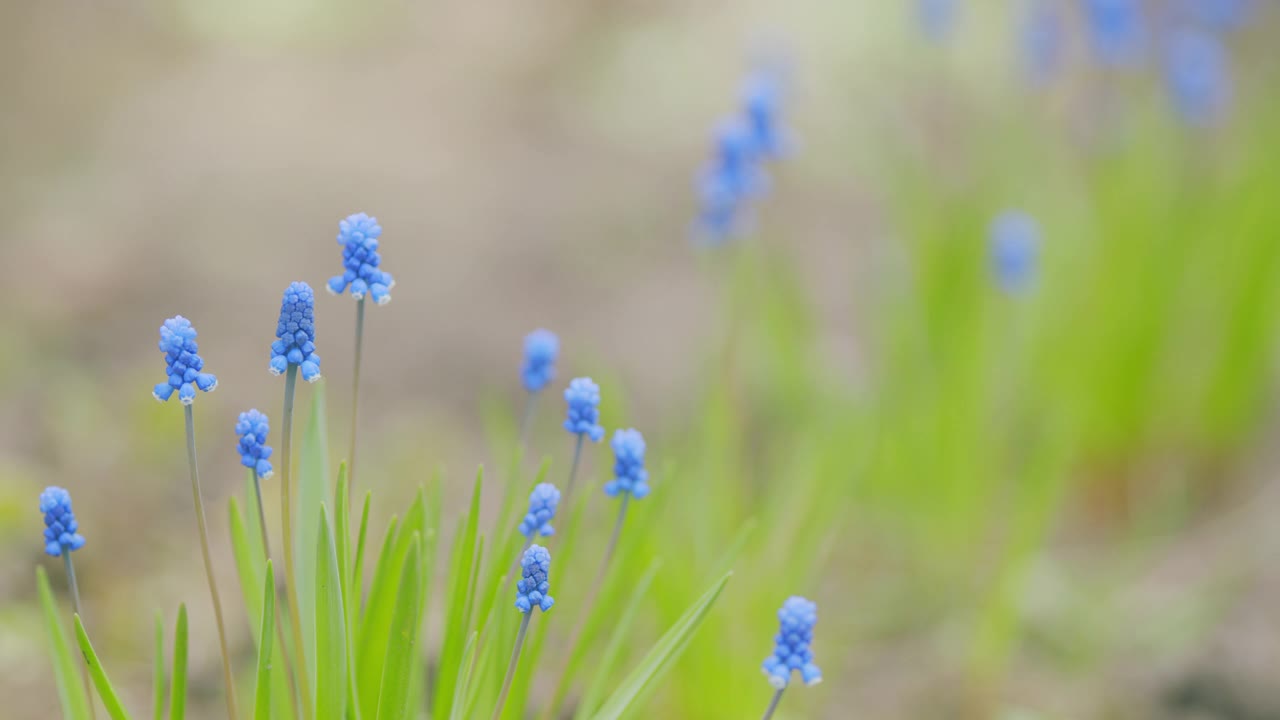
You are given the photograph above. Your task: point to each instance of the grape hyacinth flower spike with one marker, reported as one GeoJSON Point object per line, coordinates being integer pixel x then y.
{"type": "Point", "coordinates": [1197, 73]}
{"type": "Point", "coordinates": [62, 537]}
{"type": "Point", "coordinates": [531, 593]}
{"type": "Point", "coordinates": [542, 510]}
{"type": "Point", "coordinates": [252, 428]}
{"type": "Point", "coordinates": [185, 370]}
{"type": "Point", "coordinates": [541, 348]}
{"type": "Point", "coordinates": [791, 652]}
{"type": "Point", "coordinates": [295, 345]}
{"type": "Point", "coordinates": [583, 421]}
{"type": "Point", "coordinates": [1015, 247]}
{"type": "Point", "coordinates": [631, 480]}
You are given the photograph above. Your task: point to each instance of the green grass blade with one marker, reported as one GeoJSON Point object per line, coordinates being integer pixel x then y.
{"type": "Point", "coordinates": [100, 680]}
{"type": "Point", "coordinates": [313, 489]}
{"type": "Point", "coordinates": [66, 673]}
{"type": "Point", "coordinates": [262, 695]}
{"type": "Point", "coordinates": [331, 634]}
{"type": "Point", "coordinates": [622, 627]}
{"type": "Point", "coordinates": [178, 679]}
{"type": "Point", "coordinates": [461, 599]}
{"type": "Point", "coordinates": [158, 684]}
{"type": "Point", "coordinates": [464, 674]}
{"type": "Point", "coordinates": [248, 562]}
{"type": "Point", "coordinates": [402, 641]}
{"type": "Point", "coordinates": [357, 573]}
{"type": "Point", "coordinates": [375, 625]}
{"type": "Point", "coordinates": [659, 659]}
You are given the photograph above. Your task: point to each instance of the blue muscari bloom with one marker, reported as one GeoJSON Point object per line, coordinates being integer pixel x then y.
{"type": "Point", "coordinates": [540, 350]}
{"type": "Point", "coordinates": [1117, 31]}
{"type": "Point", "coordinates": [1015, 246]}
{"type": "Point", "coordinates": [1041, 37]}
{"type": "Point", "coordinates": [583, 398]}
{"type": "Point", "coordinates": [60, 528]}
{"type": "Point", "coordinates": [1198, 76]}
{"type": "Point", "coordinates": [1219, 15]}
{"type": "Point", "coordinates": [628, 465]}
{"type": "Point", "coordinates": [532, 589]}
{"type": "Point", "coordinates": [733, 178]}
{"type": "Point", "coordinates": [182, 363]}
{"type": "Point", "coordinates": [542, 510]}
{"type": "Point", "coordinates": [791, 645]}
{"type": "Point", "coordinates": [252, 429]}
{"type": "Point", "coordinates": [296, 333]}
{"type": "Point", "coordinates": [937, 17]}
{"type": "Point", "coordinates": [358, 236]}
{"type": "Point", "coordinates": [762, 110]}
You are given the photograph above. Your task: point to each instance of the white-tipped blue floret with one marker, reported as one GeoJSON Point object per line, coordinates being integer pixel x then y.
{"type": "Point", "coordinates": [61, 532]}
{"type": "Point", "coordinates": [791, 652]}
{"type": "Point", "coordinates": [629, 472]}
{"type": "Point", "coordinates": [295, 342]}
{"type": "Point", "coordinates": [583, 399]}
{"type": "Point", "coordinates": [542, 509]}
{"type": "Point", "coordinates": [532, 589]}
{"type": "Point", "coordinates": [183, 364]}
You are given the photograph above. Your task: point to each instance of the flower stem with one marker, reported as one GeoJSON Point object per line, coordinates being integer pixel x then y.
{"type": "Point", "coordinates": [355, 397]}
{"type": "Point", "coordinates": [511, 669]}
{"type": "Point", "coordinates": [280, 640]}
{"type": "Point", "coordinates": [773, 704]}
{"type": "Point", "coordinates": [208, 563]}
{"type": "Point", "coordinates": [527, 419]}
{"type": "Point", "coordinates": [286, 519]}
{"type": "Point", "coordinates": [573, 469]}
{"type": "Point", "coordinates": [75, 602]}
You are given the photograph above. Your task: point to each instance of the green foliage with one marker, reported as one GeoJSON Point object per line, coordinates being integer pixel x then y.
{"type": "Point", "coordinates": [262, 684]}
{"type": "Point", "coordinates": [100, 680]}
{"type": "Point", "coordinates": [71, 696]}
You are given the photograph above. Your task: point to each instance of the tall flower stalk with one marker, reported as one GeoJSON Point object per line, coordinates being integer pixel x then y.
{"type": "Point", "coordinates": [531, 592]}
{"type": "Point", "coordinates": [185, 370]}
{"type": "Point", "coordinates": [61, 537]}
{"type": "Point", "coordinates": [583, 421]}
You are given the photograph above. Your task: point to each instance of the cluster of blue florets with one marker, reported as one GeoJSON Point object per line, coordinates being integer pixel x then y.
{"type": "Point", "coordinates": [61, 533]}
{"type": "Point", "coordinates": [183, 365]}
{"type": "Point", "coordinates": [629, 475]}
{"type": "Point", "coordinates": [791, 652]}
{"type": "Point", "coordinates": [583, 398]}
{"type": "Point", "coordinates": [743, 144]}
{"type": "Point", "coordinates": [541, 347]}
{"type": "Point", "coordinates": [358, 235]}
{"type": "Point", "coordinates": [1015, 247]}
{"type": "Point", "coordinates": [296, 333]}
{"type": "Point", "coordinates": [542, 510]}
{"type": "Point", "coordinates": [532, 589]}
{"type": "Point", "coordinates": [252, 428]}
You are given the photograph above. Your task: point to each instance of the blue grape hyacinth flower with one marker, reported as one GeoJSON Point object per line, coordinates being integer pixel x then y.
{"type": "Point", "coordinates": [1042, 38]}
{"type": "Point", "coordinates": [252, 428]}
{"type": "Point", "coordinates": [542, 510]}
{"type": "Point", "coordinates": [762, 101]}
{"type": "Point", "coordinates": [583, 398]}
{"type": "Point", "coordinates": [296, 333]}
{"type": "Point", "coordinates": [183, 364]}
{"type": "Point", "coordinates": [1219, 15]}
{"type": "Point", "coordinates": [358, 235]}
{"type": "Point", "coordinates": [1015, 248]}
{"type": "Point", "coordinates": [791, 652]}
{"type": "Point", "coordinates": [937, 17]}
{"type": "Point", "coordinates": [1117, 31]}
{"type": "Point", "coordinates": [1197, 72]}
{"type": "Point", "coordinates": [532, 589]}
{"type": "Point", "coordinates": [733, 177]}
{"type": "Point", "coordinates": [61, 532]}
{"type": "Point", "coordinates": [630, 477]}
{"type": "Point", "coordinates": [541, 347]}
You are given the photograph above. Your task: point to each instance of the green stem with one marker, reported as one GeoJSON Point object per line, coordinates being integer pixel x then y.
{"type": "Point", "coordinates": [527, 419]}
{"type": "Point", "coordinates": [355, 397]}
{"type": "Point", "coordinates": [286, 520]}
{"type": "Point", "coordinates": [773, 704]}
{"type": "Point", "coordinates": [511, 669]}
{"type": "Point", "coordinates": [266, 547]}
{"type": "Point", "coordinates": [75, 602]}
{"type": "Point", "coordinates": [573, 469]}
{"type": "Point", "coordinates": [208, 563]}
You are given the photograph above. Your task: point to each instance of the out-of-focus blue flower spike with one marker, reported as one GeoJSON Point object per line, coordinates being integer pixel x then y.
{"type": "Point", "coordinates": [541, 348]}
{"type": "Point", "coordinates": [1015, 250]}
{"type": "Point", "coordinates": [791, 652]}
{"type": "Point", "coordinates": [1219, 15]}
{"type": "Point", "coordinates": [1198, 75]}
{"type": "Point", "coordinates": [542, 510]}
{"type": "Point", "coordinates": [1041, 38]}
{"type": "Point", "coordinates": [763, 98]}
{"type": "Point", "coordinates": [252, 428]}
{"type": "Point", "coordinates": [532, 589]}
{"type": "Point", "coordinates": [937, 18]}
{"type": "Point", "coordinates": [358, 235]}
{"type": "Point", "coordinates": [183, 364]}
{"type": "Point", "coordinates": [1117, 31]}
{"type": "Point", "coordinates": [61, 531]}
{"type": "Point", "coordinates": [296, 333]}
{"type": "Point", "coordinates": [629, 472]}
{"type": "Point", "coordinates": [583, 399]}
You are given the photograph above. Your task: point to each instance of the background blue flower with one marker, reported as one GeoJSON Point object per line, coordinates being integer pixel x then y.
{"type": "Point", "coordinates": [252, 428]}
{"type": "Point", "coordinates": [629, 473]}
{"type": "Point", "coordinates": [541, 347]}
{"type": "Point", "coordinates": [358, 235]}
{"type": "Point", "coordinates": [1015, 248]}
{"type": "Point", "coordinates": [532, 589]}
{"type": "Point", "coordinates": [542, 510]}
{"type": "Point", "coordinates": [583, 398]}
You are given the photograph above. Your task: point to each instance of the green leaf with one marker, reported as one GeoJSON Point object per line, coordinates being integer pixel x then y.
{"type": "Point", "coordinates": [158, 684]}
{"type": "Point", "coordinates": [262, 695]}
{"type": "Point", "coordinates": [357, 573]}
{"type": "Point", "coordinates": [659, 659]}
{"type": "Point", "coordinates": [464, 674]}
{"type": "Point", "coordinates": [178, 679]}
{"type": "Point", "coordinates": [313, 489]}
{"type": "Point", "coordinates": [461, 599]}
{"type": "Point", "coordinates": [402, 641]}
{"type": "Point", "coordinates": [621, 629]}
{"type": "Point", "coordinates": [375, 626]}
{"type": "Point", "coordinates": [71, 693]}
{"type": "Point", "coordinates": [248, 564]}
{"type": "Point", "coordinates": [331, 634]}
{"type": "Point", "coordinates": [99, 675]}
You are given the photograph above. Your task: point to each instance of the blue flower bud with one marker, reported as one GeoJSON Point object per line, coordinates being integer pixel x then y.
{"type": "Point", "coordinates": [532, 589]}
{"type": "Point", "coordinates": [791, 645]}
{"type": "Point", "coordinates": [358, 235]}
{"type": "Point", "coordinates": [1015, 246]}
{"type": "Point", "coordinates": [542, 510]}
{"type": "Point", "coordinates": [583, 397]}
{"type": "Point", "coordinates": [183, 364]}
{"type": "Point", "coordinates": [628, 465]}
{"type": "Point", "coordinates": [296, 333]}
{"type": "Point", "coordinates": [61, 533]}
{"type": "Point", "coordinates": [252, 428]}
{"type": "Point", "coordinates": [1197, 72]}
{"type": "Point", "coordinates": [540, 350]}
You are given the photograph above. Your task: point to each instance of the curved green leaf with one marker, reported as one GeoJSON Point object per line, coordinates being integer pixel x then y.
{"type": "Point", "coordinates": [71, 693]}
{"type": "Point", "coordinates": [262, 695]}
{"type": "Point", "coordinates": [331, 624]}
{"type": "Point", "coordinates": [99, 675]}
{"type": "Point", "coordinates": [178, 681]}
{"type": "Point", "coordinates": [158, 684]}
{"type": "Point", "coordinates": [403, 640]}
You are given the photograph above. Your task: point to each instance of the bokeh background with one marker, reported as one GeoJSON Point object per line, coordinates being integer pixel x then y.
{"type": "Point", "coordinates": [1056, 502]}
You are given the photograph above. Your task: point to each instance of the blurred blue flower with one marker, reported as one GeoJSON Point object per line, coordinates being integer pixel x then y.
{"type": "Point", "coordinates": [542, 510]}
{"type": "Point", "coordinates": [183, 364]}
{"type": "Point", "coordinates": [296, 333]}
{"type": "Point", "coordinates": [1197, 72]}
{"type": "Point", "coordinates": [541, 347]}
{"type": "Point", "coordinates": [1015, 247]}
{"type": "Point", "coordinates": [252, 428]}
{"type": "Point", "coordinates": [1117, 31]}
{"type": "Point", "coordinates": [628, 465]}
{"type": "Point", "coordinates": [358, 235]}
{"type": "Point", "coordinates": [791, 645]}
{"type": "Point", "coordinates": [732, 179]}
{"type": "Point", "coordinates": [762, 110]}
{"type": "Point", "coordinates": [937, 17]}
{"type": "Point", "coordinates": [1042, 38]}
{"type": "Point", "coordinates": [583, 398]}
{"type": "Point", "coordinates": [61, 532]}
{"type": "Point", "coordinates": [1219, 15]}
{"type": "Point", "coordinates": [532, 589]}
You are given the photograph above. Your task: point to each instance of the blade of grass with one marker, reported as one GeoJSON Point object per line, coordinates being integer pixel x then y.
{"type": "Point", "coordinates": [375, 626]}
{"type": "Point", "coordinates": [402, 640]}
{"type": "Point", "coordinates": [158, 684]}
{"type": "Point", "coordinates": [458, 611]}
{"type": "Point", "coordinates": [71, 693]}
{"type": "Point", "coordinates": [465, 669]}
{"type": "Point", "coordinates": [313, 489]}
{"type": "Point", "coordinates": [331, 636]}
{"type": "Point", "coordinates": [178, 679]}
{"type": "Point", "coordinates": [248, 565]}
{"type": "Point", "coordinates": [262, 695]}
{"type": "Point", "coordinates": [100, 680]}
{"type": "Point", "coordinates": [595, 688]}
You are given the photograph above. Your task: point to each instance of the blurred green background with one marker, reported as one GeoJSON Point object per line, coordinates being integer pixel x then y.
{"type": "Point", "coordinates": [1052, 505]}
